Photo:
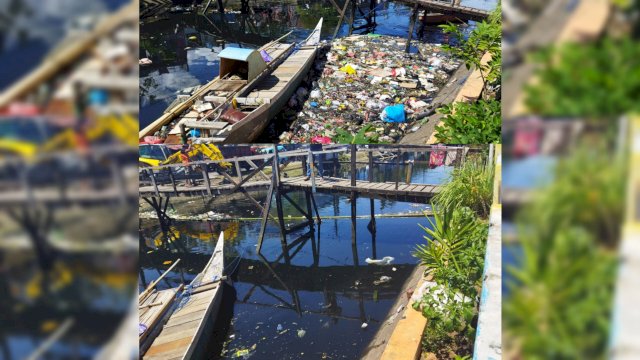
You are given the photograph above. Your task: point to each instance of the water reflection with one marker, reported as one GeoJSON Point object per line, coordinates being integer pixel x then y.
{"type": "Point", "coordinates": [82, 288]}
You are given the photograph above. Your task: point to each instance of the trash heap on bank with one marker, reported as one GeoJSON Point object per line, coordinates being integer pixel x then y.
{"type": "Point", "coordinates": [369, 84]}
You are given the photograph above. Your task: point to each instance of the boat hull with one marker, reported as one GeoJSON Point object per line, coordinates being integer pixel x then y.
{"type": "Point", "coordinates": [252, 126]}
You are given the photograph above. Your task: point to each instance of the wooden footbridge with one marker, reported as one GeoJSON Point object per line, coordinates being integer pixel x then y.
{"type": "Point", "coordinates": [215, 178]}
{"type": "Point", "coordinates": [450, 7]}
{"type": "Point", "coordinates": [170, 180]}
{"type": "Point", "coordinates": [68, 178]}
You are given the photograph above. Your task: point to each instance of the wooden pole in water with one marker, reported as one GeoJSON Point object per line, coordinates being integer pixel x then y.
{"type": "Point", "coordinates": [398, 167]}
{"type": "Point", "coordinates": [353, 164]}
{"type": "Point", "coordinates": [342, 13]}
{"type": "Point", "coordinates": [265, 217]}
{"type": "Point", "coordinates": [412, 23]}
{"type": "Point", "coordinates": [276, 181]}
{"type": "Point", "coordinates": [205, 177]}
{"type": "Point", "coordinates": [353, 16]}
{"type": "Point", "coordinates": [309, 211]}
{"type": "Point", "coordinates": [409, 172]}
{"type": "Point", "coordinates": [370, 175]}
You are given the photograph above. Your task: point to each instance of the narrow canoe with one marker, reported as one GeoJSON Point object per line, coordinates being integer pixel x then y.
{"type": "Point", "coordinates": [223, 87]}
{"type": "Point", "coordinates": [259, 104]}
{"type": "Point", "coordinates": [184, 336]}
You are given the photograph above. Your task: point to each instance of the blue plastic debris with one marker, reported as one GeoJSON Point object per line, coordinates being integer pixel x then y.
{"type": "Point", "coordinates": [393, 114]}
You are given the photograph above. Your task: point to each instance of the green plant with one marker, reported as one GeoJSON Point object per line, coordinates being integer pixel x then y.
{"type": "Point", "coordinates": [560, 299]}
{"type": "Point", "coordinates": [477, 122]}
{"type": "Point", "coordinates": [366, 135]}
{"type": "Point", "coordinates": [470, 185]}
{"type": "Point", "coordinates": [486, 37]}
{"type": "Point", "coordinates": [588, 191]}
{"type": "Point", "coordinates": [599, 80]}
{"type": "Point", "coordinates": [454, 256]}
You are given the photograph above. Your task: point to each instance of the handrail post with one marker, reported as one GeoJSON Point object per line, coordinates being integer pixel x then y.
{"type": "Point", "coordinates": [153, 181]}
{"type": "Point", "coordinates": [205, 176]}
{"type": "Point", "coordinates": [353, 164]}
{"type": "Point", "coordinates": [397, 167]}
{"type": "Point", "coordinates": [173, 181]}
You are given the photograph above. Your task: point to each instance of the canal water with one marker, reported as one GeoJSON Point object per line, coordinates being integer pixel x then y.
{"type": "Point", "coordinates": [184, 47]}
{"type": "Point", "coordinates": [307, 301]}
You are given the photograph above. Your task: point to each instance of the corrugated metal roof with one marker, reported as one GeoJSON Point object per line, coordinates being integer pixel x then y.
{"type": "Point", "coordinates": [236, 53]}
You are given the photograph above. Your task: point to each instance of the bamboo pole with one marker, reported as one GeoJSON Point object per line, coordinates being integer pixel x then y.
{"type": "Point", "coordinates": [143, 295]}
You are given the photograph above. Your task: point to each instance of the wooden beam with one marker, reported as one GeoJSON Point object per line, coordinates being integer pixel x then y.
{"type": "Point", "coordinates": [265, 217]}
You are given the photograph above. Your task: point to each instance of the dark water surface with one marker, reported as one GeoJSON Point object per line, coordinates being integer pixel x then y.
{"type": "Point", "coordinates": [319, 292]}
{"type": "Point", "coordinates": [180, 61]}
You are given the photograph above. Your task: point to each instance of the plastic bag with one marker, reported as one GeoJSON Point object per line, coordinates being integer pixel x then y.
{"type": "Point", "coordinates": [349, 69]}
{"type": "Point", "coordinates": [393, 114]}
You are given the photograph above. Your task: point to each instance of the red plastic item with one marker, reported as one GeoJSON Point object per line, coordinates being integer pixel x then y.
{"type": "Point", "coordinates": [321, 140]}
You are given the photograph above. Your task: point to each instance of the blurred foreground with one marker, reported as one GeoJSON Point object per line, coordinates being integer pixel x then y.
{"type": "Point", "coordinates": [571, 80]}
{"type": "Point", "coordinates": [68, 179]}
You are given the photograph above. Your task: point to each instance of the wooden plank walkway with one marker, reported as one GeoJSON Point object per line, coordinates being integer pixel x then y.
{"type": "Point", "coordinates": [461, 11]}
{"type": "Point", "coordinates": [329, 184]}
{"type": "Point", "coordinates": [326, 184]}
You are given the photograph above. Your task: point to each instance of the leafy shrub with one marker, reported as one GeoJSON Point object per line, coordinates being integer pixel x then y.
{"type": "Point", "coordinates": [471, 185]}
{"type": "Point", "coordinates": [560, 298]}
{"type": "Point", "coordinates": [598, 80]}
{"type": "Point", "coordinates": [454, 256]}
{"type": "Point", "coordinates": [470, 123]}
{"type": "Point", "coordinates": [559, 304]}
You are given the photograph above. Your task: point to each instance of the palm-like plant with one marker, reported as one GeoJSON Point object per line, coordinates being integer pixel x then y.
{"type": "Point", "coordinates": [449, 233]}
{"type": "Point", "coordinates": [471, 185]}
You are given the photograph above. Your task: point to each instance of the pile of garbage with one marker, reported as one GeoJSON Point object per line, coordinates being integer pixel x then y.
{"type": "Point", "coordinates": [369, 82]}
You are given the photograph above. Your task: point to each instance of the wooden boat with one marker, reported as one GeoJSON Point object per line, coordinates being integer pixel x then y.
{"type": "Point", "coordinates": [184, 336]}
{"type": "Point", "coordinates": [254, 107]}
{"type": "Point", "coordinates": [240, 69]}
{"type": "Point", "coordinates": [154, 307]}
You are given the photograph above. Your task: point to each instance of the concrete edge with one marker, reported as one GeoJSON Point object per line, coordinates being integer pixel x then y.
{"type": "Point", "coordinates": [488, 343]}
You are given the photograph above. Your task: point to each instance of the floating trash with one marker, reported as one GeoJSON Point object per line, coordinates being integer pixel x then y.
{"type": "Point", "coordinates": [369, 80]}
{"type": "Point", "coordinates": [301, 333]}
{"type": "Point", "coordinates": [364, 325]}
{"type": "Point", "coordinates": [383, 279]}
{"type": "Point", "coordinates": [384, 261]}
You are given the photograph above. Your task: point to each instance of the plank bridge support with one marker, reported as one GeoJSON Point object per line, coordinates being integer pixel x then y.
{"type": "Point", "coordinates": [37, 223]}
